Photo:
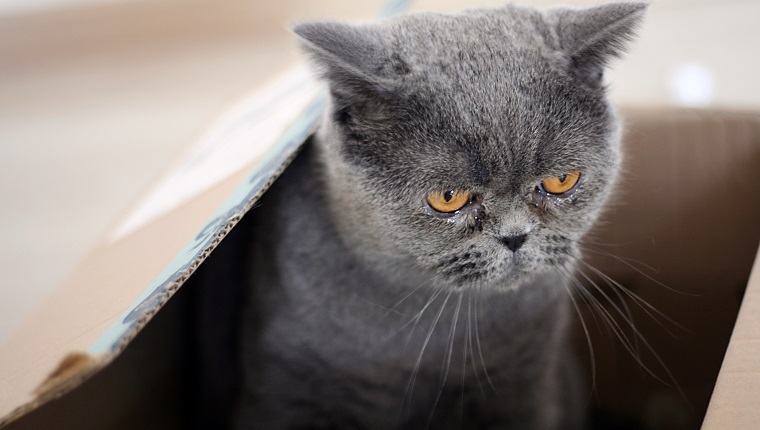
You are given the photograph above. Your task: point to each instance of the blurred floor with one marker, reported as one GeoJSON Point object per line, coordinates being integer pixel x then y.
{"type": "Point", "coordinates": [95, 102]}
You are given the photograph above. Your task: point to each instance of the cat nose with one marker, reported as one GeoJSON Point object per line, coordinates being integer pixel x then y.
{"type": "Point", "coordinates": [513, 243]}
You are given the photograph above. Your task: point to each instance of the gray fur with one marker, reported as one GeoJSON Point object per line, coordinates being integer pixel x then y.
{"type": "Point", "coordinates": [371, 310]}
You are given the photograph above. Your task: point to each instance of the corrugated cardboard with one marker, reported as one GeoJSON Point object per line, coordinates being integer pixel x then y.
{"type": "Point", "coordinates": [101, 308]}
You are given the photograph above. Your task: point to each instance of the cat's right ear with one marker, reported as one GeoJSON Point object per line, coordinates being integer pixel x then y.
{"type": "Point", "coordinates": [593, 36]}
{"type": "Point", "coordinates": [354, 60]}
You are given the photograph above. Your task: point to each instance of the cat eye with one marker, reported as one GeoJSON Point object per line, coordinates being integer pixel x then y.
{"type": "Point", "coordinates": [561, 184]}
{"type": "Point", "coordinates": [448, 201]}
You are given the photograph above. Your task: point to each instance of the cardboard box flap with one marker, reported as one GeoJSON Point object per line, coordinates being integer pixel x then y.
{"type": "Point", "coordinates": [92, 317]}
{"type": "Point", "coordinates": [226, 217]}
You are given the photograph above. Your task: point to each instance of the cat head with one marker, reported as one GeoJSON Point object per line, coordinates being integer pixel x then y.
{"type": "Point", "coordinates": [477, 146]}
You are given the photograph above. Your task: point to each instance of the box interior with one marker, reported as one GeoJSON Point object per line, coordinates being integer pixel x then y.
{"type": "Point", "coordinates": [680, 236]}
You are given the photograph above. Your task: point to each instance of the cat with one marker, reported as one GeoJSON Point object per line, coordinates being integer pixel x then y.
{"type": "Point", "coordinates": [411, 268]}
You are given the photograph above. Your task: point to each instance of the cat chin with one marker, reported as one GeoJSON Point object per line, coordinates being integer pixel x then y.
{"type": "Point", "coordinates": [509, 280]}
{"type": "Point", "coordinates": [515, 280]}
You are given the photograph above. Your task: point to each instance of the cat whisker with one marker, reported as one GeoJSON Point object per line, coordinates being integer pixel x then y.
{"type": "Point", "coordinates": [585, 332]}
{"type": "Point", "coordinates": [631, 344]}
{"type": "Point", "coordinates": [410, 385]}
{"type": "Point", "coordinates": [629, 262]}
{"type": "Point", "coordinates": [620, 297]}
{"type": "Point", "coordinates": [469, 342]}
{"type": "Point", "coordinates": [586, 241]}
{"type": "Point", "coordinates": [415, 319]}
{"type": "Point", "coordinates": [617, 257]}
{"type": "Point", "coordinates": [618, 331]}
{"type": "Point", "coordinates": [643, 340]}
{"type": "Point", "coordinates": [477, 340]}
{"type": "Point", "coordinates": [625, 341]}
{"type": "Point", "coordinates": [587, 244]}
{"type": "Point", "coordinates": [584, 245]}
{"type": "Point", "coordinates": [643, 304]}
{"type": "Point", "coordinates": [464, 367]}
{"type": "Point", "coordinates": [392, 309]}
{"type": "Point", "coordinates": [447, 361]}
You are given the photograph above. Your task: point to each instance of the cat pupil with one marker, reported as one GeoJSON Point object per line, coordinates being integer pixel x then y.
{"type": "Point", "coordinates": [448, 195]}
{"type": "Point", "coordinates": [562, 178]}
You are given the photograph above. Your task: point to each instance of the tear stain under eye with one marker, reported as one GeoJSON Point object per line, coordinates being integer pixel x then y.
{"type": "Point", "coordinates": [541, 200]}
{"type": "Point", "coordinates": [538, 200]}
{"type": "Point", "coordinates": [471, 215]}
{"type": "Point", "coordinates": [474, 224]}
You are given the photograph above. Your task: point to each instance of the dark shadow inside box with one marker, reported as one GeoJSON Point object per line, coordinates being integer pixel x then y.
{"type": "Point", "coordinates": [680, 240]}
{"type": "Point", "coordinates": [143, 388]}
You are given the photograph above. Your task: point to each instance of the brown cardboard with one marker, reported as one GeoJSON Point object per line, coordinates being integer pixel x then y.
{"type": "Point", "coordinates": [78, 312]}
{"type": "Point", "coordinates": [113, 284]}
{"type": "Point", "coordinates": [734, 403]}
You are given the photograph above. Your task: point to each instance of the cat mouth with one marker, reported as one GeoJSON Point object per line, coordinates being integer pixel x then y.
{"type": "Point", "coordinates": [503, 275]}
{"type": "Point", "coordinates": [476, 269]}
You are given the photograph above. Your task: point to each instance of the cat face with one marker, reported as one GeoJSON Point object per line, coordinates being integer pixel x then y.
{"type": "Point", "coordinates": [478, 146]}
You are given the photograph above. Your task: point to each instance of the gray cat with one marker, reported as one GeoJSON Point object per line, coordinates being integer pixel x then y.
{"type": "Point", "coordinates": [411, 267]}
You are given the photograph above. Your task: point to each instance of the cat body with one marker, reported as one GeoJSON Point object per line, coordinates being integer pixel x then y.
{"type": "Point", "coordinates": [339, 347]}
{"type": "Point", "coordinates": [372, 305]}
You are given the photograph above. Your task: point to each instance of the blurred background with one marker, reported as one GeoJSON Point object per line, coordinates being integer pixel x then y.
{"type": "Point", "coordinates": [97, 97]}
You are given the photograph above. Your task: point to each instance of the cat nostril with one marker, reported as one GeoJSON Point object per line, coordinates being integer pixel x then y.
{"type": "Point", "coordinates": [513, 242]}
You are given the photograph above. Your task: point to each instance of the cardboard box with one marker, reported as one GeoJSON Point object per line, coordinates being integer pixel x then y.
{"type": "Point", "coordinates": [682, 235]}
{"type": "Point", "coordinates": [698, 231]}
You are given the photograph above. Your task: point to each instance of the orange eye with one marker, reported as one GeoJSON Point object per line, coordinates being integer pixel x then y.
{"type": "Point", "coordinates": [448, 201]}
{"type": "Point", "coordinates": [560, 184]}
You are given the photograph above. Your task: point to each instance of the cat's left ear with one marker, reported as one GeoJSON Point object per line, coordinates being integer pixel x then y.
{"type": "Point", "coordinates": [592, 37]}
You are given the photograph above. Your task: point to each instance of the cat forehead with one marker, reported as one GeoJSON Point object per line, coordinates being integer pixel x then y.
{"type": "Point", "coordinates": [491, 85]}
{"type": "Point", "coordinates": [473, 42]}
{"type": "Point", "coordinates": [502, 159]}
{"type": "Point", "coordinates": [502, 27]}
{"type": "Point", "coordinates": [443, 147]}
{"type": "Point", "coordinates": [529, 123]}
{"type": "Point", "coordinates": [490, 66]}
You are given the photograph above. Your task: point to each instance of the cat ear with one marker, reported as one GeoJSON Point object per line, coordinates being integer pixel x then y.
{"type": "Point", "coordinates": [592, 37]}
{"type": "Point", "coordinates": [354, 60]}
